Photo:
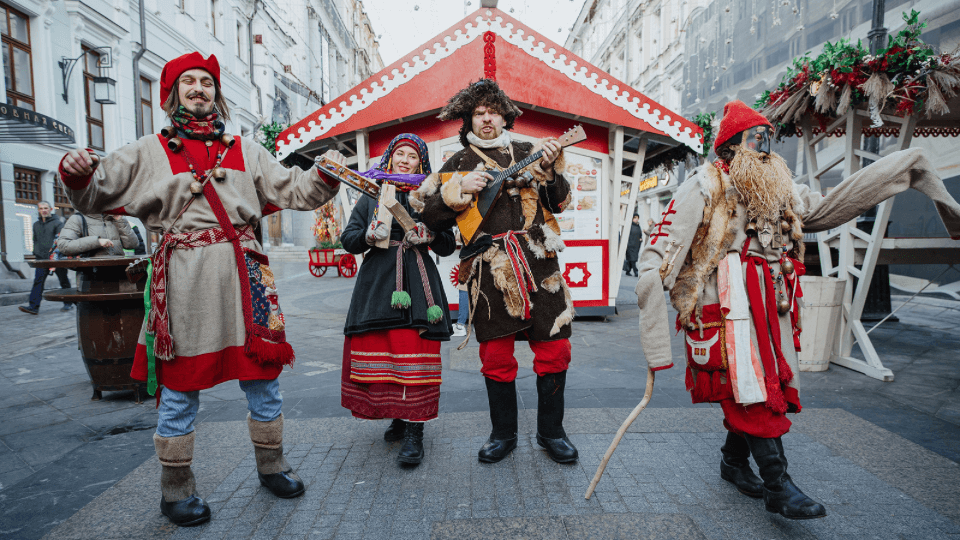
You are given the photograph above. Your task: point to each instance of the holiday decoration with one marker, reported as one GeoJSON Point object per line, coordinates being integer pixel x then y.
{"type": "Point", "coordinates": [326, 227]}
{"type": "Point", "coordinates": [907, 77]}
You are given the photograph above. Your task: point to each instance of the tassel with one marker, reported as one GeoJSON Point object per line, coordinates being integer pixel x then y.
{"type": "Point", "coordinates": [783, 370]}
{"type": "Point", "coordinates": [400, 300]}
{"type": "Point", "coordinates": [775, 399]}
{"type": "Point", "coordinates": [163, 344]}
{"type": "Point", "coordinates": [267, 353]}
{"type": "Point", "coordinates": [947, 82]}
{"type": "Point", "coordinates": [434, 314]}
{"type": "Point", "coordinates": [688, 382]}
{"type": "Point", "coordinates": [936, 103]}
{"type": "Point", "coordinates": [877, 88]}
{"type": "Point", "coordinates": [826, 97]}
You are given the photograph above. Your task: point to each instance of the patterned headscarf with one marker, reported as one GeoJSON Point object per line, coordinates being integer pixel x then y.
{"type": "Point", "coordinates": [404, 182]}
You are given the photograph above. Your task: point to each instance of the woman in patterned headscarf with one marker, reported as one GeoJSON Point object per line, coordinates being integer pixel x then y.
{"type": "Point", "coordinates": [398, 314]}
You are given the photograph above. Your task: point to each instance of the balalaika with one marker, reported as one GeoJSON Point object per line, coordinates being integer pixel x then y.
{"type": "Point", "coordinates": [472, 219]}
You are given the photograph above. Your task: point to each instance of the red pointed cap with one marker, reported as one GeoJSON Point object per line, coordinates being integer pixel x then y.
{"type": "Point", "coordinates": [738, 116]}
{"type": "Point", "coordinates": [174, 68]}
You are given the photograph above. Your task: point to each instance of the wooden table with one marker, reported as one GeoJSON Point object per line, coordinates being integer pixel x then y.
{"type": "Point", "coordinates": [109, 317]}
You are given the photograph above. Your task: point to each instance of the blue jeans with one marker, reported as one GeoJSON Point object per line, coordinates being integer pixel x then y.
{"type": "Point", "coordinates": [178, 410]}
{"type": "Point", "coordinates": [40, 279]}
{"type": "Point", "coordinates": [463, 310]}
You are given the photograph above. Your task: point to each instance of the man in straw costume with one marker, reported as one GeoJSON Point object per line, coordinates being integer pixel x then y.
{"type": "Point", "coordinates": [510, 267]}
{"type": "Point", "coordinates": [729, 250]}
{"type": "Point", "coordinates": [212, 307]}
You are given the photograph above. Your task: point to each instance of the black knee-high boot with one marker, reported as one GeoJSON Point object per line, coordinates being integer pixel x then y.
{"type": "Point", "coordinates": [780, 494]}
{"type": "Point", "coordinates": [550, 433]}
{"type": "Point", "coordinates": [735, 466]}
{"type": "Point", "coordinates": [503, 415]}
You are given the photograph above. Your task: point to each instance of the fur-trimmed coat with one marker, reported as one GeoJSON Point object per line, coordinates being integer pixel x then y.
{"type": "Point", "coordinates": [497, 310]}
{"type": "Point", "coordinates": [706, 221]}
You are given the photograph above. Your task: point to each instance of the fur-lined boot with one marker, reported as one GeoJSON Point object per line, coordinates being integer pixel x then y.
{"type": "Point", "coordinates": [275, 473]}
{"type": "Point", "coordinates": [179, 500]}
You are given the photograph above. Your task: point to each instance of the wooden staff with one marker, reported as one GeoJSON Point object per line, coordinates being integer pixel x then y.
{"type": "Point", "coordinates": [623, 429]}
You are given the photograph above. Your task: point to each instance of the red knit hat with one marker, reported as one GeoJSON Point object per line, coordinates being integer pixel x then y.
{"type": "Point", "coordinates": [738, 116]}
{"type": "Point", "coordinates": [174, 68]}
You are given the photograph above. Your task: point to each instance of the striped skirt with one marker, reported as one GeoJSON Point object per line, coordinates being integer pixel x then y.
{"type": "Point", "coordinates": [391, 374]}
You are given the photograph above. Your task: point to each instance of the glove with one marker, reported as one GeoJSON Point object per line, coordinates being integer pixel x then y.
{"type": "Point", "coordinates": [376, 232]}
{"type": "Point", "coordinates": [419, 235]}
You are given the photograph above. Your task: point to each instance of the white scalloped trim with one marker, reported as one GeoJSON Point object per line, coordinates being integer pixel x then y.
{"type": "Point", "coordinates": [627, 100]}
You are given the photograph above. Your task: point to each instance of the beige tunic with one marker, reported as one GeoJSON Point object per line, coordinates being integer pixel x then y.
{"type": "Point", "coordinates": [203, 290]}
{"type": "Point", "coordinates": [858, 193]}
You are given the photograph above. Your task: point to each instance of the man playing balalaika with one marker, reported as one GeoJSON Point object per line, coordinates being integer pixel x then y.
{"type": "Point", "coordinates": [510, 265]}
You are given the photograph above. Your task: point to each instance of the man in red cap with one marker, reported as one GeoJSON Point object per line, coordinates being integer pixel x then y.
{"type": "Point", "coordinates": [212, 311]}
{"type": "Point", "coordinates": [729, 249]}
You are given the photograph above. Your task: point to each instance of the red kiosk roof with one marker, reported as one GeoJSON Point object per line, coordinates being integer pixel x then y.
{"type": "Point", "coordinates": [530, 68]}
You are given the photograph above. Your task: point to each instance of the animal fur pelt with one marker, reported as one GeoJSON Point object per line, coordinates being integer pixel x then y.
{"type": "Point", "coordinates": [453, 195]}
{"type": "Point", "coordinates": [485, 92]}
{"type": "Point", "coordinates": [710, 243]}
{"type": "Point", "coordinates": [552, 284]}
{"type": "Point", "coordinates": [429, 186]}
{"type": "Point", "coordinates": [506, 282]}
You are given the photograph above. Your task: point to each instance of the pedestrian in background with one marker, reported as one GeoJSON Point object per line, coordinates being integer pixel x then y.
{"type": "Point", "coordinates": [98, 235]}
{"type": "Point", "coordinates": [463, 303]}
{"type": "Point", "coordinates": [633, 247]}
{"type": "Point", "coordinates": [45, 231]}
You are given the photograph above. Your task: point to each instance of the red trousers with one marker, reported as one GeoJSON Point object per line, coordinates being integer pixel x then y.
{"type": "Point", "coordinates": [500, 365]}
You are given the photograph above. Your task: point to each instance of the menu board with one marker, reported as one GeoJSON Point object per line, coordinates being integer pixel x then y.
{"type": "Point", "coordinates": [582, 218]}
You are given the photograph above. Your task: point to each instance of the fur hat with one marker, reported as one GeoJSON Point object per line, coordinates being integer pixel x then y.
{"type": "Point", "coordinates": [738, 116]}
{"type": "Point", "coordinates": [174, 68]}
{"type": "Point", "coordinates": [484, 92]}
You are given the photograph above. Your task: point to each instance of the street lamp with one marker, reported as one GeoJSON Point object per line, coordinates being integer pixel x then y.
{"type": "Point", "coordinates": [104, 88]}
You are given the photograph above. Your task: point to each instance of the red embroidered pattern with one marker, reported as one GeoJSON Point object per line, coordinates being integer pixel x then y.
{"type": "Point", "coordinates": [663, 222]}
{"type": "Point", "coordinates": [489, 56]}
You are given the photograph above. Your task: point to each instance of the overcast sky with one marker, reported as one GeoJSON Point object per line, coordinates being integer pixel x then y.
{"type": "Point", "coordinates": [404, 25]}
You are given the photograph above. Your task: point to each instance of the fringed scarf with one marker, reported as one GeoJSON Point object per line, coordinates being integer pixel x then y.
{"type": "Point", "coordinates": [207, 128]}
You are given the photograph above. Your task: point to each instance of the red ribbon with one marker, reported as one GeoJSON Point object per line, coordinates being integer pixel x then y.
{"type": "Point", "coordinates": [521, 268]}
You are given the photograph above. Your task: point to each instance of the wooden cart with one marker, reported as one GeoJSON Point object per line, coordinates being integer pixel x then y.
{"type": "Point", "coordinates": [321, 259]}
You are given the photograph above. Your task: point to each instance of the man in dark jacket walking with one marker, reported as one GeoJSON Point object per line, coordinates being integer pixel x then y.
{"type": "Point", "coordinates": [45, 232]}
{"type": "Point", "coordinates": [633, 247]}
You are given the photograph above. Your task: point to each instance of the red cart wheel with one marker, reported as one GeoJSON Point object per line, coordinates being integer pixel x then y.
{"type": "Point", "coordinates": [347, 265]}
{"type": "Point", "coordinates": [318, 271]}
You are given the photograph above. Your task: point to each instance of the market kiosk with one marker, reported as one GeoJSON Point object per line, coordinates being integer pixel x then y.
{"type": "Point", "coordinates": [627, 133]}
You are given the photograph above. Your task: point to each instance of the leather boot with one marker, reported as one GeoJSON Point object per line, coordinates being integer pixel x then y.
{"type": "Point", "coordinates": [503, 415]}
{"type": "Point", "coordinates": [411, 451]}
{"type": "Point", "coordinates": [275, 473]}
{"type": "Point", "coordinates": [395, 432]}
{"type": "Point", "coordinates": [735, 466]}
{"type": "Point", "coordinates": [780, 494]}
{"type": "Point", "coordinates": [550, 433]}
{"type": "Point", "coordinates": [179, 500]}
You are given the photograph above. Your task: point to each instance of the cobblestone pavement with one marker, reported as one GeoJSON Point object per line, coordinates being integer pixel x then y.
{"type": "Point", "coordinates": [881, 456]}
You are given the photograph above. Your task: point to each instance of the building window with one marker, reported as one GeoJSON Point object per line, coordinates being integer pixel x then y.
{"type": "Point", "coordinates": [26, 183]}
{"type": "Point", "coordinates": [94, 110]}
{"type": "Point", "coordinates": [146, 105]}
{"type": "Point", "coordinates": [60, 199]}
{"type": "Point", "coordinates": [213, 17]}
{"type": "Point", "coordinates": [239, 39]}
{"type": "Point", "coordinates": [17, 58]}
